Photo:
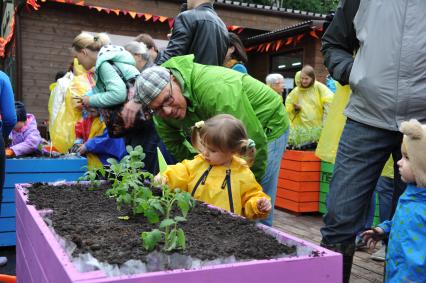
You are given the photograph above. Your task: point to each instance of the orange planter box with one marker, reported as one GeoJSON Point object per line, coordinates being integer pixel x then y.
{"type": "Point", "coordinates": [298, 186]}
{"type": "Point", "coordinates": [299, 176]}
{"type": "Point", "coordinates": [299, 155]}
{"type": "Point", "coordinates": [296, 206]}
{"type": "Point", "coordinates": [298, 183]}
{"type": "Point", "coordinates": [298, 196]}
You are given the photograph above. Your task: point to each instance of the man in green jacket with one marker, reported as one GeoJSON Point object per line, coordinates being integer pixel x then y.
{"type": "Point", "coordinates": [182, 93]}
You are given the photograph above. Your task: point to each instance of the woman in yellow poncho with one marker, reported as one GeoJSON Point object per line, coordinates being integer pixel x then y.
{"type": "Point", "coordinates": [308, 103]}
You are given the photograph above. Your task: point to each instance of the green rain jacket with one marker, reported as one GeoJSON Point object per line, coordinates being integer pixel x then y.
{"type": "Point", "coordinates": [212, 90]}
{"type": "Point", "coordinates": [110, 89]}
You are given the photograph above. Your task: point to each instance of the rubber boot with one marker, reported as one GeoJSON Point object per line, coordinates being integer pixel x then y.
{"type": "Point", "coordinates": [348, 251]}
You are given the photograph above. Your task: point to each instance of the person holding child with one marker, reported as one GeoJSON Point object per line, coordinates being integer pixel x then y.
{"type": "Point", "coordinates": [25, 136]}
{"type": "Point", "coordinates": [406, 253]}
{"type": "Point", "coordinates": [219, 175]}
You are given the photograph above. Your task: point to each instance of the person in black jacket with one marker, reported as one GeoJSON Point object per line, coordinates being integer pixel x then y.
{"type": "Point", "coordinates": [198, 31]}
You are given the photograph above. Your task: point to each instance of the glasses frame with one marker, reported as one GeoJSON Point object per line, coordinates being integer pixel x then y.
{"type": "Point", "coordinates": [167, 101]}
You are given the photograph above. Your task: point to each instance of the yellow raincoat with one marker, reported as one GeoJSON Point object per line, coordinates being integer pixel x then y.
{"type": "Point", "coordinates": [97, 129]}
{"type": "Point", "coordinates": [313, 101]}
{"type": "Point", "coordinates": [333, 128]}
{"type": "Point", "coordinates": [245, 190]}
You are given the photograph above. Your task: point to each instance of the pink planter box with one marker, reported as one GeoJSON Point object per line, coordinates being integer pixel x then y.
{"type": "Point", "coordinates": [40, 258]}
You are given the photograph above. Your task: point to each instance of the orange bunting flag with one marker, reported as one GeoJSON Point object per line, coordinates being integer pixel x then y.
{"type": "Point", "coordinates": [289, 40]}
{"type": "Point", "coordinates": [162, 19]}
{"type": "Point", "coordinates": [33, 4]}
{"type": "Point", "coordinates": [278, 45]}
{"type": "Point", "coordinates": [132, 14]}
{"type": "Point", "coordinates": [259, 47]}
{"type": "Point", "coordinates": [81, 3]}
{"type": "Point", "coordinates": [98, 8]}
{"type": "Point", "coordinates": [147, 16]}
{"type": "Point", "coordinates": [240, 30]}
{"type": "Point", "coordinates": [116, 11]}
{"type": "Point", "coordinates": [313, 34]}
{"type": "Point", "coordinates": [267, 46]}
{"type": "Point", "coordinates": [298, 38]}
{"type": "Point", "coordinates": [155, 18]}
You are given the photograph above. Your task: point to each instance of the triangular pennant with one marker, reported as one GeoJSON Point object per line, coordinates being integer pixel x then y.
{"type": "Point", "coordinates": [147, 17]}
{"type": "Point", "coordinates": [162, 164]}
{"type": "Point", "coordinates": [171, 22]}
{"type": "Point", "coordinates": [155, 18]}
{"type": "Point", "coordinates": [33, 4]}
{"type": "Point", "coordinates": [116, 11]}
{"type": "Point", "coordinates": [240, 30]}
{"type": "Point", "coordinates": [124, 12]}
{"type": "Point", "coordinates": [81, 3]}
{"type": "Point", "coordinates": [140, 15]}
{"type": "Point", "coordinates": [259, 47]}
{"type": "Point", "coordinates": [278, 45]}
{"type": "Point", "coordinates": [132, 14]}
{"type": "Point", "coordinates": [267, 46]}
{"type": "Point", "coordinates": [289, 40]}
{"type": "Point", "coordinates": [98, 8]}
{"type": "Point", "coordinates": [162, 19]}
{"type": "Point", "coordinates": [313, 34]}
{"type": "Point", "coordinates": [298, 38]}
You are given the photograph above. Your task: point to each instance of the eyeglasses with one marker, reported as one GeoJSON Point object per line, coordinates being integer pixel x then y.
{"type": "Point", "coordinates": [167, 101]}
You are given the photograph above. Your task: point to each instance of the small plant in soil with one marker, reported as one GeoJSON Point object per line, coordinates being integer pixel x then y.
{"type": "Point", "coordinates": [92, 176]}
{"type": "Point", "coordinates": [168, 231]}
{"type": "Point", "coordinates": [304, 139]}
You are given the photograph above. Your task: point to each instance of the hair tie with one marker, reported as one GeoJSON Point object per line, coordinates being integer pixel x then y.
{"type": "Point", "coordinates": [251, 143]}
{"type": "Point", "coordinates": [199, 124]}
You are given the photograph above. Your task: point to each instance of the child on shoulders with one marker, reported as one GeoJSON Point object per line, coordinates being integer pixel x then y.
{"type": "Point", "coordinates": [25, 136]}
{"type": "Point", "coordinates": [218, 175]}
{"type": "Point", "coordinates": [406, 251]}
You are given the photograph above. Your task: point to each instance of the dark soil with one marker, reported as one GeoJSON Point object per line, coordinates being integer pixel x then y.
{"type": "Point", "coordinates": [90, 220]}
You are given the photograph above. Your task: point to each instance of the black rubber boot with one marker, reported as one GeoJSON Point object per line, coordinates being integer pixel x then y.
{"type": "Point", "coordinates": [348, 251]}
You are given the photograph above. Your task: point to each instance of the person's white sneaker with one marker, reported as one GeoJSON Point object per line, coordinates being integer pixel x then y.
{"type": "Point", "coordinates": [379, 255]}
{"type": "Point", "coordinates": [3, 260]}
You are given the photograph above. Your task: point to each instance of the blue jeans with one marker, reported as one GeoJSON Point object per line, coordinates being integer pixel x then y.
{"type": "Point", "coordinates": [384, 189]}
{"type": "Point", "coordinates": [362, 153]}
{"type": "Point", "coordinates": [269, 182]}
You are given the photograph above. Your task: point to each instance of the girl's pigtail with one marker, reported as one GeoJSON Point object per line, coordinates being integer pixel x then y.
{"type": "Point", "coordinates": [248, 150]}
{"type": "Point", "coordinates": [195, 135]}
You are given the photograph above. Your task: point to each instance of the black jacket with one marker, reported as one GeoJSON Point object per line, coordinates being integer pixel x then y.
{"type": "Point", "coordinates": [339, 42]}
{"type": "Point", "coordinates": [201, 32]}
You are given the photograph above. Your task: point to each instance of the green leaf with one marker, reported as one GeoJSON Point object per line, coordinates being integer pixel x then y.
{"type": "Point", "coordinates": [129, 148]}
{"type": "Point", "coordinates": [123, 217]}
{"type": "Point", "coordinates": [166, 222]}
{"type": "Point", "coordinates": [180, 219]}
{"type": "Point", "coordinates": [181, 240]}
{"type": "Point", "coordinates": [112, 161]}
{"type": "Point", "coordinates": [150, 239]}
{"type": "Point", "coordinates": [171, 240]}
{"type": "Point", "coordinates": [155, 203]}
{"type": "Point", "coordinates": [151, 215]}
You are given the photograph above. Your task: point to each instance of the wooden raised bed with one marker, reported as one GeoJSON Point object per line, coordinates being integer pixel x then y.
{"type": "Point", "coordinates": [31, 170]}
{"type": "Point", "coordinates": [298, 182]}
{"type": "Point", "coordinates": [40, 258]}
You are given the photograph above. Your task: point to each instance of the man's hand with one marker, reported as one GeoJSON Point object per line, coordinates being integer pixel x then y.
{"type": "Point", "coordinates": [296, 107]}
{"type": "Point", "coordinates": [264, 205]}
{"type": "Point", "coordinates": [9, 152]}
{"type": "Point", "coordinates": [129, 112]}
{"type": "Point", "coordinates": [160, 180]}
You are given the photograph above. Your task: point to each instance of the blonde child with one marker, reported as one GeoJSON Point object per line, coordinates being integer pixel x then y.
{"type": "Point", "coordinates": [406, 252]}
{"type": "Point", "coordinates": [218, 175]}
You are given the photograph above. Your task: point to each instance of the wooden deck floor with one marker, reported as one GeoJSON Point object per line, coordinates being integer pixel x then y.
{"type": "Point", "coordinates": [307, 227]}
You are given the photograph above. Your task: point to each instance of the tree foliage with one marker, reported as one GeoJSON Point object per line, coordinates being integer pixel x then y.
{"type": "Point", "coordinates": [318, 6]}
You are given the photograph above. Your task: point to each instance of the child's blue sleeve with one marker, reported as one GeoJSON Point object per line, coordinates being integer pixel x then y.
{"type": "Point", "coordinates": [386, 226]}
{"type": "Point", "coordinates": [7, 104]}
{"type": "Point", "coordinates": [105, 145]}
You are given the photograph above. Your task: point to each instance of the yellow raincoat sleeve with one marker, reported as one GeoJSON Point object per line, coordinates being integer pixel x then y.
{"type": "Point", "coordinates": [178, 175]}
{"type": "Point", "coordinates": [326, 96]}
{"type": "Point", "coordinates": [290, 100]}
{"type": "Point", "coordinates": [251, 193]}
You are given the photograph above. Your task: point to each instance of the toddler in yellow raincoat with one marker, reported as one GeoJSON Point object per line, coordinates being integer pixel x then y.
{"type": "Point", "coordinates": [218, 175]}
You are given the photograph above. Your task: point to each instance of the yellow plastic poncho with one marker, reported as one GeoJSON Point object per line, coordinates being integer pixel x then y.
{"type": "Point", "coordinates": [62, 132]}
{"type": "Point", "coordinates": [246, 191]}
{"type": "Point", "coordinates": [97, 129]}
{"type": "Point", "coordinates": [313, 101]}
{"type": "Point", "coordinates": [333, 128]}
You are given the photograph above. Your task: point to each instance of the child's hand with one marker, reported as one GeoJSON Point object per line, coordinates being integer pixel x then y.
{"type": "Point", "coordinates": [264, 205]}
{"type": "Point", "coordinates": [9, 152]}
{"type": "Point", "coordinates": [160, 180]}
{"type": "Point", "coordinates": [82, 150]}
{"type": "Point", "coordinates": [373, 236]}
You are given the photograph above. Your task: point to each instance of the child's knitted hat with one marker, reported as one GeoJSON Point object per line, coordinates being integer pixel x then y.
{"type": "Point", "coordinates": [415, 145]}
{"type": "Point", "coordinates": [21, 113]}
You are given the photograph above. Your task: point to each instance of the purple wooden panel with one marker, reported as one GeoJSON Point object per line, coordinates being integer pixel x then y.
{"type": "Point", "coordinates": [22, 269]}
{"type": "Point", "coordinates": [322, 269]}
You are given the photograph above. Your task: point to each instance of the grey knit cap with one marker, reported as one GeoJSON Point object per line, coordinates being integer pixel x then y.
{"type": "Point", "coordinates": [150, 83]}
